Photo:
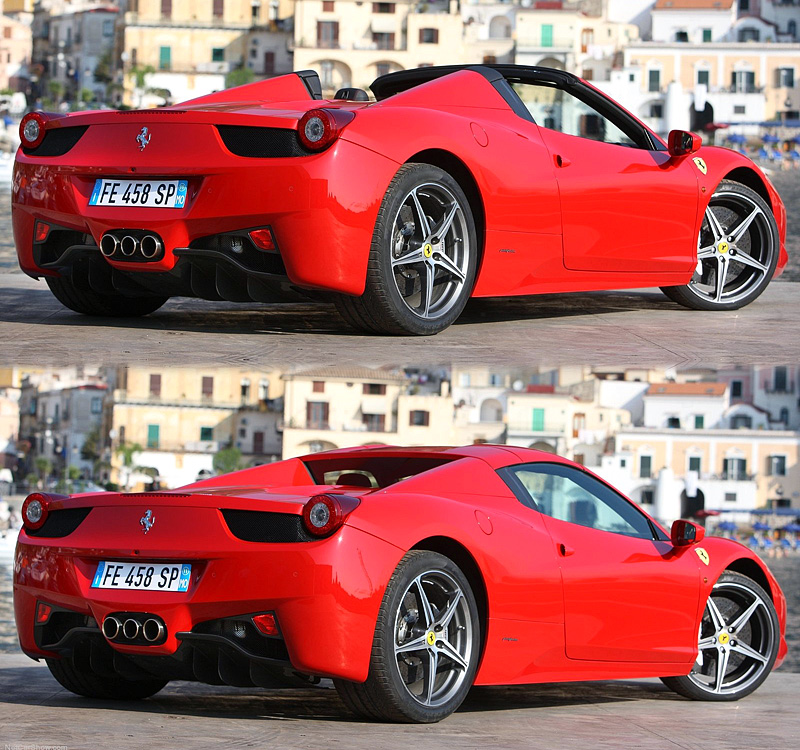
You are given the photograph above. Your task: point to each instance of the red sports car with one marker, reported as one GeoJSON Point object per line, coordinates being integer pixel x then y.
{"type": "Point", "coordinates": [404, 574]}
{"type": "Point", "coordinates": [459, 181]}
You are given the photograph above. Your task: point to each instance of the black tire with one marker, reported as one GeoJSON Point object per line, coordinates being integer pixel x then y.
{"type": "Point", "coordinates": [88, 302]}
{"type": "Point", "coordinates": [401, 685]}
{"type": "Point", "coordinates": [733, 658]}
{"type": "Point", "coordinates": [417, 203]}
{"type": "Point", "coordinates": [91, 685]}
{"type": "Point", "coordinates": [744, 264]}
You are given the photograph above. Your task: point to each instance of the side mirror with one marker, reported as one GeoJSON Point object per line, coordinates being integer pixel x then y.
{"type": "Point", "coordinates": [685, 533]}
{"type": "Point", "coordinates": [682, 142]}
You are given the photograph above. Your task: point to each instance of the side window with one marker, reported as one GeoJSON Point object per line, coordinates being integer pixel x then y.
{"type": "Point", "coordinates": [556, 109]}
{"type": "Point", "coordinates": [570, 495]}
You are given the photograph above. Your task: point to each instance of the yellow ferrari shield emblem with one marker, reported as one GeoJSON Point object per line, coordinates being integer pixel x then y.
{"type": "Point", "coordinates": [723, 639]}
{"type": "Point", "coordinates": [700, 164]}
{"type": "Point", "coordinates": [723, 247]}
{"type": "Point", "coordinates": [431, 638]}
{"type": "Point", "coordinates": [703, 555]}
{"type": "Point", "coordinates": [427, 250]}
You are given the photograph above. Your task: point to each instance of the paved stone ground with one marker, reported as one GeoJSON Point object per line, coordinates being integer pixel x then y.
{"type": "Point", "coordinates": [640, 714]}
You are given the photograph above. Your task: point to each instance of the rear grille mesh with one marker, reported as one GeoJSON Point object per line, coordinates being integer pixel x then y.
{"type": "Point", "coordinates": [263, 526]}
{"type": "Point", "coordinates": [261, 143]}
{"type": "Point", "coordinates": [57, 142]}
{"type": "Point", "coordinates": [60, 523]}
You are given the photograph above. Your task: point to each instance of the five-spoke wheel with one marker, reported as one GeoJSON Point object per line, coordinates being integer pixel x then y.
{"type": "Point", "coordinates": [737, 643]}
{"type": "Point", "coordinates": [737, 251]}
{"type": "Point", "coordinates": [423, 256]}
{"type": "Point", "coordinates": [425, 651]}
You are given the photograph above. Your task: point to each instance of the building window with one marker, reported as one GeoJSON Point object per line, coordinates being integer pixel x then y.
{"type": "Point", "coordinates": [97, 405]}
{"type": "Point", "coordinates": [318, 386]}
{"type": "Point", "coordinates": [645, 467]}
{"type": "Point", "coordinates": [418, 418]}
{"type": "Point", "coordinates": [730, 497]}
{"type": "Point", "coordinates": [681, 36]}
{"type": "Point", "coordinates": [785, 78]}
{"type": "Point", "coordinates": [699, 421]}
{"type": "Point", "coordinates": [464, 379]}
{"type": "Point", "coordinates": [784, 416]}
{"type": "Point", "coordinates": [245, 390]}
{"type": "Point", "coordinates": [674, 423]}
{"type": "Point", "coordinates": [495, 379]}
{"type": "Point", "coordinates": [327, 34]}
{"type": "Point", "coordinates": [739, 109]}
{"type": "Point", "coordinates": [646, 497]}
{"type": "Point", "coordinates": [218, 8]}
{"type": "Point", "coordinates": [374, 389]}
{"type": "Point", "coordinates": [657, 110]}
{"type": "Point", "coordinates": [623, 462]}
{"type": "Point", "coordinates": [217, 54]}
{"type": "Point", "coordinates": [166, 8]}
{"type": "Point", "coordinates": [207, 387]}
{"type": "Point", "coordinates": [374, 422]}
{"type": "Point", "coordinates": [152, 435]}
{"type": "Point", "coordinates": [258, 437]}
{"type": "Point", "coordinates": [703, 77]}
{"type": "Point", "coordinates": [206, 434]}
{"type": "Point", "coordinates": [429, 36]}
{"type": "Point", "coordinates": [587, 39]}
{"type": "Point", "coordinates": [269, 63]}
{"type": "Point", "coordinates": [155, 386]}
{"type": "Point", "coordinates": [383, 40]}
{"type": "Point", "coordinates": [694, 463]}
{"type": "Point", "coordinates": [776, 466]}
{"type": "Point", "coordinates": [263, 390]}
{"type": "Point", "coordinates": [381, 69]}
{"type": "Point", "coordinates": [741, 422]}
{"type": "Point", "coordinates": [242, 432]}
{"type": "Point", "coordinates": [326, 74]}
{"type": "Point", "coordinates": [744, 6]}
{"type": "Point", "coordinates": [706, 35]}
{"type": "Point", "coordinates": [654, 80]}
{"type": "Point", "coordinates": [578, 424]}
{"type": "Point", "coordinates": [749, 34]}
{"type": "Point", "coordinates": [734, 468]}
{"type": "Point", "coordinates": [317, 415]}
{"type": "Point", "coordinates": [538, 420]}
{"type": "Point", "coordinates": [547, 35]}
{"type": "Point", "coordinates": [791, 28]}
{"type": "Point", "coordinates": [382, 7]}
{"type": "Point", "coordinates": [108, 28]}
{"type": "Point", "coordinates": [736, 388]}
{"type": "Point", "coordinates": [164, 58]}
{"type": "Point", "coordinates": [327, 6]}
{"type": "Point", "coordinates": [743, 81]}
{"type": "Point", "coordinates": [780, 380]}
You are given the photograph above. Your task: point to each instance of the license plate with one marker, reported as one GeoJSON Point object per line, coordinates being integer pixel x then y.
{"type": "Point", "coordinates": [142, 576]}
{"type": "Point", "coordinates": [144, 193]}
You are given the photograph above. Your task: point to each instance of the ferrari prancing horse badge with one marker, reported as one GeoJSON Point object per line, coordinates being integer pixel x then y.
{"type": "Point", "coordinates": [700, 164]}
{"type": "Point", "coordinates": [703, 555]}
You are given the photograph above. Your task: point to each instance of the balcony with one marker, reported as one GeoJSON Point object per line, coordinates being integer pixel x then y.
{"type": "Point", "coordinates": [784, 388]}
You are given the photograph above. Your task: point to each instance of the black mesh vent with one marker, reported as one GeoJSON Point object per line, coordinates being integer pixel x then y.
{"type": "Point", "coordinates": [262, 526]}
{"type": "Point", "coordinates": [261, 143]}
{"type": "Point", "coordinates": [57, 141]}
{"type": "Point", "coordinates": [60, 523]}
{"type": "Point", "coordinates": [239, 247]}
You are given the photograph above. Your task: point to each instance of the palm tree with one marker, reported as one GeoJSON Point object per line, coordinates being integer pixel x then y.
{"type": "Point", "coordinates": [127, 451]}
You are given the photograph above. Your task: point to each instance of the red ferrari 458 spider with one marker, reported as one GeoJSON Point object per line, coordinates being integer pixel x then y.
{"type": "Point", "coordinates": [458, 181]}
{"type": "Point", "coordinates": [404, 574]}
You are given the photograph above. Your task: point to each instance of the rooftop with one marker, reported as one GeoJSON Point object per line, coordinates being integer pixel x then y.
{"type": "Point", "coordinates": [687, 389]}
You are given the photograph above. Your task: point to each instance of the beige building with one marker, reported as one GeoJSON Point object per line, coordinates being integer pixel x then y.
{"type": "Point", "coordinates": [16, 44]}
{"type": "Point", "coordinates": [341, 407]}
{"type": "Point", "coordinates": [350, 43]}
{"type": "Point", "coordinates": [181, 417]}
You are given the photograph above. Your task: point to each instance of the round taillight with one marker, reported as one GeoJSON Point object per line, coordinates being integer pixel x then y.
{"type": "Point", "coordinates": [324, 514]}
{"type": "Point", "coordinates": [34, 511]}
{"type": "Point", "coordinates": [32, 129]}
{"type": "Point", "coordinates": [318, 128]}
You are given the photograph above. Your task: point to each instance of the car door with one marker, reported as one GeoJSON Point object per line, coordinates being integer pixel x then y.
{"type": "Point", "coordinates": [629, 595]}
{"type": "Point", "coordinates": [626, 206]}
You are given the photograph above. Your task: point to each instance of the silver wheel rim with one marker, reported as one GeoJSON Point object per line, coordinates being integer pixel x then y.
{"type": "Point", "coordinates": [736, 641]}
{"type": "Point", "coordinates": [430, 250]}
{"type": "Point", "coordinates": [735, 249]}
{"type": "Point", "coordinates": [433, 638]}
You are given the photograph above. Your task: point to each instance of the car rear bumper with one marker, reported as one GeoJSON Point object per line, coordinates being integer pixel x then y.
{"type": "Point", "coordinates": [321, 208]}
{"type": "Point", "coordinates": [325, 596]}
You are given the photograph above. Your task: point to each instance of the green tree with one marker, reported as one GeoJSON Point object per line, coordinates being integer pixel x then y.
{"type": "Point", "coordinates": [227, 460]}
{"type": "Point", "coordinates": [238, 77]}
{"type": "Point", "coordinates": [127, 453]}
{"type": "Point", "coordinates": [87, 95]}
{"type": "Point", "coordinates": [56, 89]}
{"type": "Point", "coordinates": [90, 451]}
{"type": "Point", "coordinates": [43, 468]}
{"type": "Point", "coordinates": [103, 72]}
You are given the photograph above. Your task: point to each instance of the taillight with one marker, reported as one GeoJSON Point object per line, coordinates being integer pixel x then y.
{"type": "Point", "coordinates": [267, 623]}
{"type": "Point", "coordinates": [34, 510]}
{"type": "Point", "coordinates": [318, 128]}
{"type": "Point", "coordinates": [324, 514]}
{"type": "Point", "coordinates": [263, 239]}
{"type": "Point", "coordinates": [32, 129]}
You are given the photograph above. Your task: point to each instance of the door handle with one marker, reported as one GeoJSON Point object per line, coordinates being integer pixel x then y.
{"type": "Point", "coordinates": [561, 161]}
{"type": "Point", "coordinates": [565, 551]}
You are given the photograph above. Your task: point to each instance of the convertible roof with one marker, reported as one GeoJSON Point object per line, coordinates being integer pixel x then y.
{"type": "Point", "coordinates": [402, 80]}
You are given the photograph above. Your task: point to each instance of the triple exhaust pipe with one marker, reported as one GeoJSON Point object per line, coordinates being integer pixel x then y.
{"type": "Point", "coordinates": [128, 245]}
{"type": "Point", "coordinates": [132, 629]}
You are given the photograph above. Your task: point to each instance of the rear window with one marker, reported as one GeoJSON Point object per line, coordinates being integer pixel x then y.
{"type": "Point", "coordinates": [380, 471]}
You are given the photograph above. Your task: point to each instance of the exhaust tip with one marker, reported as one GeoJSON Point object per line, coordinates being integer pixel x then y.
{"type": "Point", "coordinates": [131, 629]}
{"type": "Point", "coordinates": [152, 630]}
{"type": "Point", "coordinates": [128, 245]}
{"type": "Point", "coordinates": [108, 245]}
{"type": "Point", "coordinates": [111, 628]}
{"type": "Point", "coordinates": [150, 246]}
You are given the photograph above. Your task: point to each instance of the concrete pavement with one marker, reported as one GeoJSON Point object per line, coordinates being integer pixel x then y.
{"type": "Point", "coordinates": [630, 328]}
{"type": "Point", "coordinates": [635, 714]}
